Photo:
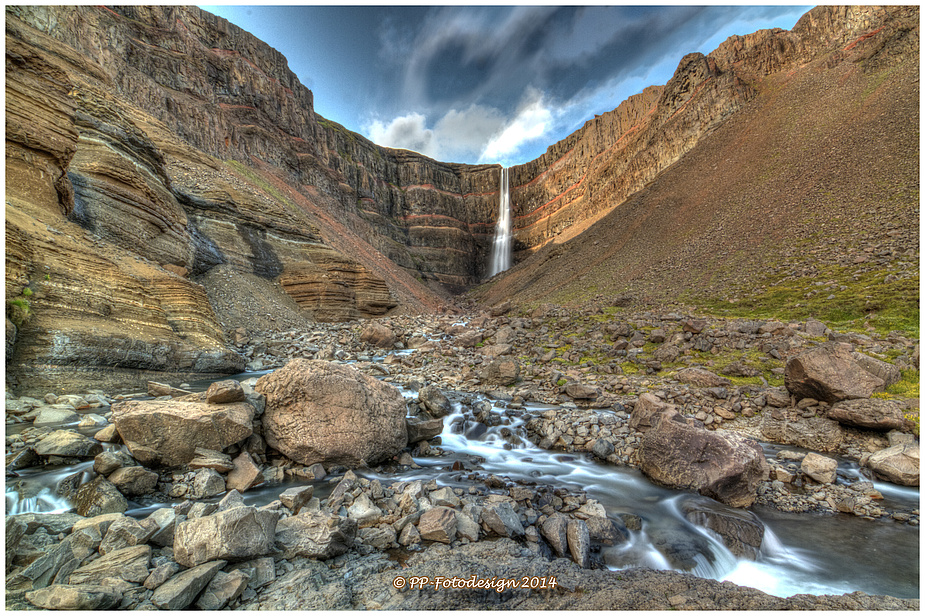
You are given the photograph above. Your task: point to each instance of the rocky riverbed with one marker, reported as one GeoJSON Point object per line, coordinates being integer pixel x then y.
{"type": "Point", "coordinates": [148, 519]}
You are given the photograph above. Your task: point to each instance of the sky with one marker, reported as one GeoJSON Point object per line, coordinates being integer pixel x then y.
{"type": "Point", "coordinates": [487, 83]}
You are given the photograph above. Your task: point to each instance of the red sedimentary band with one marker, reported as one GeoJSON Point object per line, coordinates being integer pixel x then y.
{"type": "Point", "coordinates": [864, 37]}
{"type": "Point", "coordinates": [106, 8]}
{"type": "Point", "coordinates": [446, 192]}
{"type": "Point", "coordinates": [634, 128]}
{"type": "Point", "coordinates": [692, 97]}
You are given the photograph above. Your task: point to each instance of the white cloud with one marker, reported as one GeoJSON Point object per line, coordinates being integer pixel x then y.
{"type": "Point", "coordinates": [533, 120]}
{"type": "Point", "coordinates": [408, 132]}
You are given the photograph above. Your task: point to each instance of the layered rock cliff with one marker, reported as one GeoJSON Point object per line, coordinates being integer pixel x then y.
{"type": "Point", "coordinates": [149, 148]}
{"type": "Point", "coordinates": [617, 153]}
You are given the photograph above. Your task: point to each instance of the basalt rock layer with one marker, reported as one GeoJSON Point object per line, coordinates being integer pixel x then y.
{"type": "Point", "coordinates": [148, 146]}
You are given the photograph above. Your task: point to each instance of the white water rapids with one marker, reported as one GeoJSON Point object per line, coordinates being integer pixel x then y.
{"type": "Point", "coordinates": [800, 553]}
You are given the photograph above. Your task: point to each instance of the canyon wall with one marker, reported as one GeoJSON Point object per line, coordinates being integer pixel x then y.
{"type": "Point", "coordinates": [149, 148]}
{"type": "Point", "coordinates": [614, 155]}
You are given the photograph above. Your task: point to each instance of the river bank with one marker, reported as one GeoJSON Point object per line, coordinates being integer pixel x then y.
{"type": "Point", "coordinates": [504, 467]}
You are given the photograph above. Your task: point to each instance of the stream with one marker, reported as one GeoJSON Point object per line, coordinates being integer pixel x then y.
{"type": "Point", "coordinates": [800, 553]}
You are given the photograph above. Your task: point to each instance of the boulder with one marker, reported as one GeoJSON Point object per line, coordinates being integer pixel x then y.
{"type": "Point", "coordinates": [167, 433]}
{"type": "Point", "coordinates": [888, 372]}
{"type": "Point", "coordinates": [898, 464]}
{"type": "Point", "coordinates": [109, 461]}
{"type": "Point", "coordinates": [181, 590]}
{"type": "Point", "coordinates": [225, 392]}
{"type": "Point", "coordinates": [206, 484]}
{"type": "Point", "coordinates": [119, 569]}
{"type": "Point", "coordinates": [134, 480]}
{"type": "Point", "coordinates": [555, 530]}
{"type": "Point", "coordinates": [820, 468]}
{"type": "Point", "coordinates": [323, 412]}
{"type": "Point", "coordinates": [579, 542]}
{"type": "Point", "coordinates": [68, 444]}
{"type": "Point", "coordinates": [871, 414]}
{"type": "Point", "coordinates": [245, 475]}
{"type": "Point", "coordinates": [580, 391]}
{"type": "Point", "coordinates": [378, 336]}
{"type": "Point", "coordinates": [718, 464]}
{"type": "Point", "coordinates": [208, 458]}
{"type": "Point", "coordinates": [501, 372]}
{"type": "Point", "coordinates": [435, 401]}
{"type": "Point", "coordinates": [315, 534]}
{"type": "Point", "coordinates": [787, 427]}
{"type": "Point", "coordinates": [239, 533]}
{"type": "Point", "coordinates": [741, 530]}
{"type": "Point", "coordinates": [156, 390]}
{"type": "Point", "coordinates": [125, 532]}
{"type": "Point", "coordinates": [67, 597]}
{"type": "Point", "coordinates": [56, 415]}
{"type": "Point", "coordinates": [702, 378]}
{"type": "Point", "coordinates": [648, 411]}
{"type": "Point", "coordinates": [829, 373]}
{"type": "Point", "coordinates": [99, 496]}
{"type": "Point", "coordinates": [423, 429]}
{"type": "Point", "coordinates": [502, 519]}
{"type": "Point", "coordinates": [438, 524]}
{"type": "Point", "coordinates": [296, 498]}
{"type": "Point", "coordinates": [222, 590]}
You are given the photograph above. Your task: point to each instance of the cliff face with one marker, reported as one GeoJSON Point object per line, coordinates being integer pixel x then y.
{"type": "Point", "coordinates": [616, 154]}
{"type": "Point", "coordinates": [148, 147]}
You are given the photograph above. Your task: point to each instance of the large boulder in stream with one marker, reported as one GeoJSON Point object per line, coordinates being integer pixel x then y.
{"type": "Point", "coordinates": [319, 411]}
{"type": "Point", "coordinates": [898, 464]}
{"type": "Point", "coordinates": [167, 433]}
{"type": "Point", "coordinates": [682, 454]}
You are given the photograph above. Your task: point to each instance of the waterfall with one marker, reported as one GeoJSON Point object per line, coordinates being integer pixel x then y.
{"type": "Point", "coordinates": [501, 249]}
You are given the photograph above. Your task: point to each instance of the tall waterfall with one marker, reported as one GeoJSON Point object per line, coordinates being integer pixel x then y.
{"type": "Point", "coordinates": [501, 249]}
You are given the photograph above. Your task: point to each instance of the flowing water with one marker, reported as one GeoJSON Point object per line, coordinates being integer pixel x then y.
{"type": "Point", "coordinates": [800, 553]}
{"type": "Point", "coordinates": [501, 249]}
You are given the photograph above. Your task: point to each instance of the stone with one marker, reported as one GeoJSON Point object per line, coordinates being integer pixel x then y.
{"type": "Point", "coordinates": [165, 518]}
{"type": "Point", "coordinates": [15, 530]}
{"type": "Point", "coordinates": [120, 569]}
{"type": "Point", "coordinates": [815, 328]}
{"type": "Point", "coordinates": [741, 530]}
{"type": "Point", "coordinates": [261, 571]}
{"type": "Point", "coordinates": [702, 378]}
{"type": "Point", "coordinates": [245, 475]}
{"type": "Point", "coordinates": [898, 464]}
{"type": "Point", "coordinates": [718, 464]}
{"type": "Point", "coordinates": [108, 435]}
{"type": "Point", "coordinates": [47, 568]}
{"type": "Point", "coordinates": [580, 391]}
{"type": "Point", "coordinates": [134, 480]}
{"type": "Point", "coordinates": [815, 433]}
{"type": "Point", "coordinates": [296, 498]}
{"type": "Point", "coordinates": [435, 401]}
{"type": "Point", "coordinates": [438, 524]}
{"type": "Point", "coordinates": [225, 392]}
{"type": "Point", "coordinates": [99, 496]}
{"type": "Point", "coordinates": [466, 527]}
{"type": "Point", "coordinates": [409, 536]}
{"type": "Point", "coordinates": [364, 511]}
{"type": "Point", "coordinates": [889, 373]}
{"type": "Point", "coordinates": [239, 533]}
{"type": "Point", "coordinates": [501, 372]}
{"type": "Point", "coordinates": [501, 519]}
{"type": "Point", "coordinates": [694, 326]}
{"type": "Point", "coordinates": [231, 500]}
{"type": "Point", "coordinates": [579, 543]}
{"type": "Point", "coordinates": [167, 433]}
{"type": "Point", "coordinates": [870, 413]}
{"type": "Point", "coordinates": [161, 574]}
{"type": "Point", "coordinates": [222, 590]}
{"type": "Point", "coordinates": [209, 458]}
{"type": "Point", "coordinates": [68, 444]}
{"type": "Point", "coordinates": [829, 373]}
{"type": "Point", "coordinates": [378, 336]}
{"type": "Point", "coordinates": [323, 412]}
{"type": "Point", "coordinates": [820, 468]}
{"type": "Point", "coordinates": [468, 339]}
{"type": "Point", "coordinates": [206, 484]}
{"type": "Point", "coordinates": [125, 532]}
{"type": "Point", "coordinates": [108, 461]}
{"type": "Point", "coordinates": [605, 531]}
{"type": "Point", "coordinates": [156, 390]}
{"type": "Point", "coordinates": [602, 448]}
{"type": "Point", "coordinates": [315, 534]}
{"type": "Point", "coordinates": [648, 412]}
{"type": "Point", "coordinates": [423, 429]}
{"type": "Point", "coordinates": [56, 415]}
{"type": "Point", "coordinates": [444, 497]}
{"type": "Point", "coordinates": [74, 598]}
{"type": "Point", "coordinates": [181, 590]}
